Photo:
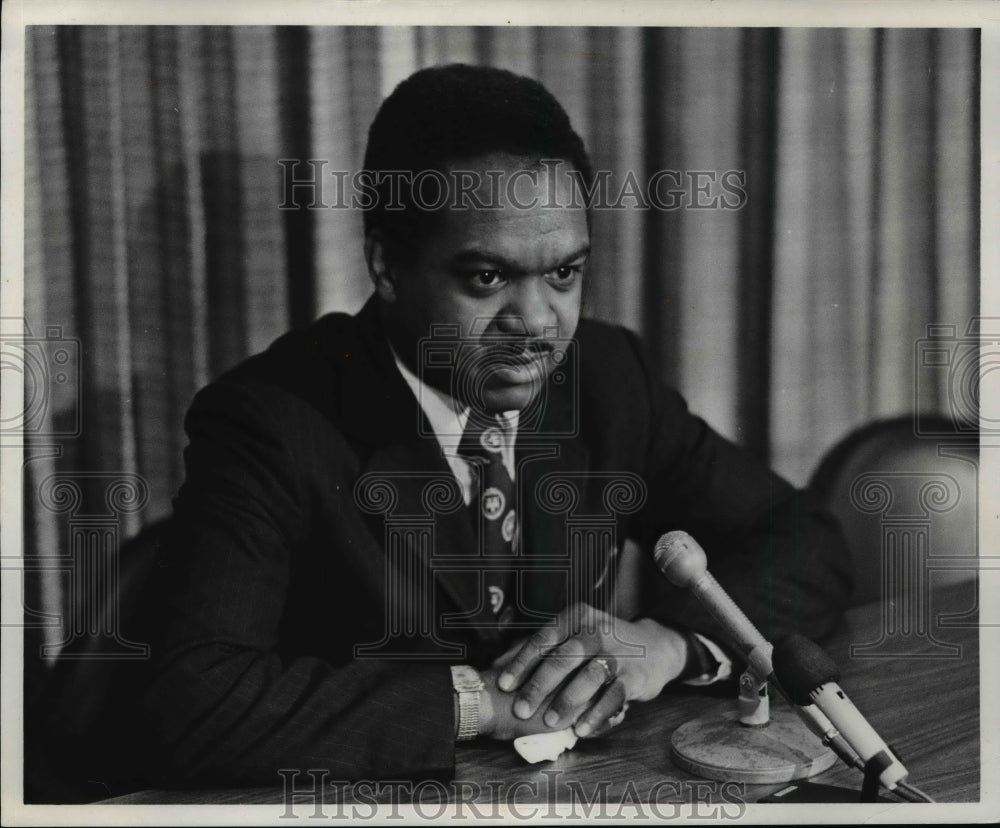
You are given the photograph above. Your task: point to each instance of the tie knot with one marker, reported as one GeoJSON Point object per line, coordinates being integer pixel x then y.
{"type": "Point", "coordinates": [484, 436]}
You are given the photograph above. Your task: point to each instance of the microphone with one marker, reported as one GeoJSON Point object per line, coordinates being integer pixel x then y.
{"type": "Point", "coordinates": [810, 677]}
{"type": "Point", "coordinates": [756, 745]}
{"type": "Point", "coordinates": [823, 728]}
{"type": "Point", "coordinates": [684, 563]}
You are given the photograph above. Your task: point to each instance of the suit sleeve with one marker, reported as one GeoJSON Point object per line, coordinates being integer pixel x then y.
{"type": "Point", "coordinates": [781, 558]}
{"type": "Point", "coordinates": [225, 704]}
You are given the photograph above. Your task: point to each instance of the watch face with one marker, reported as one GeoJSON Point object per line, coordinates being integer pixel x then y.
{"type": "Point", "coordinates": [465, 677]}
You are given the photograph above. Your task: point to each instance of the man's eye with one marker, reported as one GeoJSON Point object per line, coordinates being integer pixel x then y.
{"type": "Point", "coordinates": [486, 278]}
{"type": "Point", "coordinates": [566, 274]}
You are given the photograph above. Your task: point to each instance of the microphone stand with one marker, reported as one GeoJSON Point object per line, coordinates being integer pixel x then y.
{"type": "Point", "coordinates": [755, 744]}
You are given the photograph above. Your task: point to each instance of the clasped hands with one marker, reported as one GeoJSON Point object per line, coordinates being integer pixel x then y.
{"type": "Point", "coordinates": [581, 671]}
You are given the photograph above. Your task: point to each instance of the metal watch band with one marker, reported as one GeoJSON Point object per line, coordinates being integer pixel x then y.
{"type": "Point", "coordinates": [467, 684]}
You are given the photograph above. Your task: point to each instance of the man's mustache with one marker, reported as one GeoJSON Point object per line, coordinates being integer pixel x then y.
{"type": "Point", "coordinates": [500, 352]}
{"type": "Point", "coordinates": [514, 352]}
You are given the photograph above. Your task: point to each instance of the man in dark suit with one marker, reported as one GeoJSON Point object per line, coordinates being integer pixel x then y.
{"type": "Point", "coordinates": [403, 528]}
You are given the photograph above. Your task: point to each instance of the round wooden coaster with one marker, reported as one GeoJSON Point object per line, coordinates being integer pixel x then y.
{"type": "Point", "coordinates": [719, 747]}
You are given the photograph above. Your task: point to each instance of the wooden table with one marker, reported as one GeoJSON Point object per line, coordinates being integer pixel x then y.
{"type": "Point", "coordinates": [923, 703]}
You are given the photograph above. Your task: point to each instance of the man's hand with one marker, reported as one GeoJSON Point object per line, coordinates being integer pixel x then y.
{"type": "Point", "coordinates": [496, 715]}
{"type": "Point", "coordinates": [496, 710]}
{"type": "Point", "coordinates": [583, 670]}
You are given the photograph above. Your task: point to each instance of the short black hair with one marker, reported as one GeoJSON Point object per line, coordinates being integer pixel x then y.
{"type": "Point", "coordinates": [444, 114]}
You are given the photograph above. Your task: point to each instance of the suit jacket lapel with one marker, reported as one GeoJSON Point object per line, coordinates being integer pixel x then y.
{"type": "Point", "coordinates": [552, 486]}
{"type": "Point", "coordinates": [421, 514]}
{"type": "Point", "coordinates": [406, 459]}
{"type": "Point", "coordinates": [545, 475]}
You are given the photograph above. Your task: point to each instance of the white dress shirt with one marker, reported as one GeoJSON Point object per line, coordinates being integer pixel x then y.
{"type": "Point", "coordinates": [448, 417]}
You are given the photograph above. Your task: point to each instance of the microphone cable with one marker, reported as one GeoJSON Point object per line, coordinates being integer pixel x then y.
{"type": "Point", "coordinates": [911, 793]}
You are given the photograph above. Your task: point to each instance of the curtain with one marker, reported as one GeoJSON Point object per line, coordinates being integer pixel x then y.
{"type": "Point", "coordinates": [157, 158]}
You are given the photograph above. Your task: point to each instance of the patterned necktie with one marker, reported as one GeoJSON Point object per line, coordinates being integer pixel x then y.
{"type": "Point", "coordinates": [492, 508]}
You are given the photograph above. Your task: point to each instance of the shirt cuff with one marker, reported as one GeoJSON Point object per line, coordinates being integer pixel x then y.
{"type": "Point", "coordinates": [719, 671]}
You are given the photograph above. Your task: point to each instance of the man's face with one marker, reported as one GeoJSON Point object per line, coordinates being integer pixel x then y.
{"type": "Point", "coordinates": [509, 279]}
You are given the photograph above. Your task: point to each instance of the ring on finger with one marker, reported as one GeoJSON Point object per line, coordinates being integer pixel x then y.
{"type": "Point", "coordinates": [619, 717]}
{"type": "Point", "coordinates": [609, 673]}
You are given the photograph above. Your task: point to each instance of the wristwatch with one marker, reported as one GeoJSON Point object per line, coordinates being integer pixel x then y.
{"type": "Point", "coordinates": [467, 684]}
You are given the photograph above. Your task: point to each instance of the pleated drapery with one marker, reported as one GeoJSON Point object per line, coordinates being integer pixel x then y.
{"type": "Point", "coordinates": [154, 235]}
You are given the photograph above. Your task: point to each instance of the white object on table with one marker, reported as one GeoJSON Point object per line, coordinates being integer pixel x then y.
{"type": "Point", "coordinates": [545, 747]}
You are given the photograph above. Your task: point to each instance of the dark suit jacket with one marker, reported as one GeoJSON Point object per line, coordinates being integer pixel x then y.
{"type": "Point", "coordinates": [305, 459]}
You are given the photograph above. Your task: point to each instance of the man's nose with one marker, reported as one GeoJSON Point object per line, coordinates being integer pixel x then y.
{"type": "Point", "coordinates": [529, 311]}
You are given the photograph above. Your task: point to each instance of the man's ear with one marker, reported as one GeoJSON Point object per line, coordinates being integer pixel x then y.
{"type": "Point", "coordinates": [380, 269]}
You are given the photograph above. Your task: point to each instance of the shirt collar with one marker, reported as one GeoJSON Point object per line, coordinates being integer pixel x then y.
{"type": "Point", "coordinates": [446, 415]}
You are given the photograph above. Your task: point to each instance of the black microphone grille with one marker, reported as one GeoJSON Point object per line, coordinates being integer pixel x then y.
{"type": "Point", "coordinates": [801, 666]}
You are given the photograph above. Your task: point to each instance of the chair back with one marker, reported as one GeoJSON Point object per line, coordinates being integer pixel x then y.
{"type": "Point", "coordinates": [907, 503]}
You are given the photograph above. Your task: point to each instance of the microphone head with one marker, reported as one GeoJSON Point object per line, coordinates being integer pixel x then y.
{"type": "Point", "coordinates": [800, 666]}
{"type": "Point", "coordinates": [680, 558]}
